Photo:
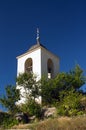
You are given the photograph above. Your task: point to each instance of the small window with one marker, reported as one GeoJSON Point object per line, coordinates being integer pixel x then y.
{"type": "Point", "coordinates": [28, 65]}
{"type": "Point", "coordinates": [50, 68]}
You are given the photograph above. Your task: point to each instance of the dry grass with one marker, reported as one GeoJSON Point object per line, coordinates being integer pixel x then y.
{"type": "Point", "coordinates": [62, 123]}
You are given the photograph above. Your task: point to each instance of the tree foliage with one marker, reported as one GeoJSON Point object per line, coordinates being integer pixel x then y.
{"type": "Point", "coordinates": [7, 120]}
{"type": "Point", "coordinates": [9, 100]}
{"type": "Point", "coordinates": [51, 89]}
{"type": "Point", "coordinates": [63, 91]}
{"type": "Point", "coordinates": [74, 78]}
{"type": "Point", "coordinates": [48, 91]}
{"type": "Point", "coordinates": [31, 108]}
{"type": "Point", "coordinates": [69, 104]}
{"type": "Point", "coordinates": [29, 82]}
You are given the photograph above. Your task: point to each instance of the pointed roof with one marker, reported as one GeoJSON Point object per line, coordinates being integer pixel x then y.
{"type": "Point", "coordinates": [38, 44]}
{"type": "Point", "coordinates": [35, 46]}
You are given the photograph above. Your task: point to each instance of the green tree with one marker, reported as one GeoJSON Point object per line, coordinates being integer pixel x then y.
{"type": "Point", "coordinates": [29, 82]}
{"type": "Point", "coordinates": [49, 91]}
{"type": "Point", "coordinates": [51, 88]}
{"type": "Point", "coordinates": [31, 108]}
{"type": "Point", "coordinates": [32, 91]}
{"type": "Point", "coordinates": [78, 77]}
{"type": "Point", "coordinates": [70, 105]}
{"type": "Point", "coordinates": [74, 78]}
{"type": "Point", "coordinates": [9, 100]}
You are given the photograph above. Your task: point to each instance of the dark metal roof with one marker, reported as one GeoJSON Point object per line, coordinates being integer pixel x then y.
{"type": "Point", "coordinates": [36, 46]}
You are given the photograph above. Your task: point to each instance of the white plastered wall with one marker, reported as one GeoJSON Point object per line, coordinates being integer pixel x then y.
{"type": "Point", "coordinates": [45, 55]}
{"type": "Point", "coordinates": [36, 61]}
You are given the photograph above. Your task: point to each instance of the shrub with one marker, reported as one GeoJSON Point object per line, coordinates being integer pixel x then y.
{"type": "Point", "coordinates": [34, 109]}
{"type": "Point", "coordinates": [70, 103]}
{"type": "Point", "coordinates": [7, 120]}
{"type": "Point", "coordinates": [31, 108]}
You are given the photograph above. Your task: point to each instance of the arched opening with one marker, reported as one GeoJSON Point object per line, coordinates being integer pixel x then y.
{"type": "Point", "coordinates": [28, 65]}
{"type": "Point", "coordinates": [50, 68]}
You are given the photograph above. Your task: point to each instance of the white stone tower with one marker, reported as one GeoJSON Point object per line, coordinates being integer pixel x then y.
{"type": "Point", "coordinates": [38, 60]}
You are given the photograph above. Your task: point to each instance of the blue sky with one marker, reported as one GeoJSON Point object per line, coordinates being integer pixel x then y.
{"type": "Point", "coordinates": [62, 25]}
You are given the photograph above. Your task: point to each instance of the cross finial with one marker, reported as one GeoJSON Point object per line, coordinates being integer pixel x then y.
{"type": "Point", "coordinates": [38, 39]}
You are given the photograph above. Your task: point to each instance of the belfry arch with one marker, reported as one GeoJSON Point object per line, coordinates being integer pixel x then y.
{"type": "Point", "coordinates": [28, 65]}
{"type": "Point", "coordinates": [50, 68]}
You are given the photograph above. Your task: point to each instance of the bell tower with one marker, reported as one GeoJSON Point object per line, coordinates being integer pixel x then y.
{"type": "Point", "coordinates": [39, 60]}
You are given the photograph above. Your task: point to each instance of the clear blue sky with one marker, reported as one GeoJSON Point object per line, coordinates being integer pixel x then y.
{"type": "Point", "coordinates": [62, 25]}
